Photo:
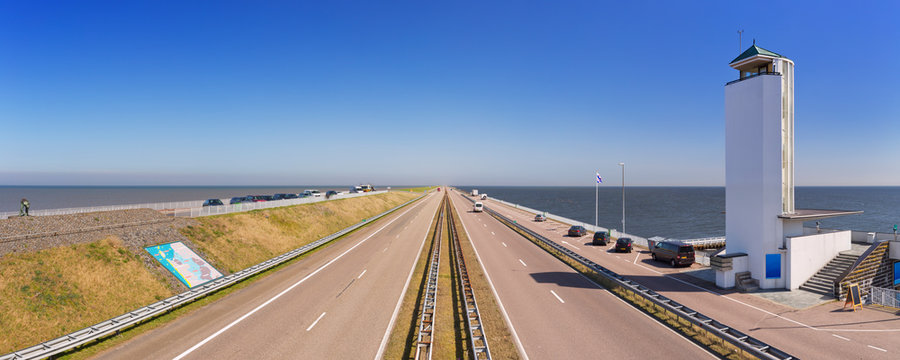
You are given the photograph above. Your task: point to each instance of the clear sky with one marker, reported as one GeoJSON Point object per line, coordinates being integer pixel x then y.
{"type": "Point", "coordinates": [424, 92]}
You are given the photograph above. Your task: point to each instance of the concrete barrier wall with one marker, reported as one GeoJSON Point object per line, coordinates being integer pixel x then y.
{"type": "Point", "coordinates": [808, 254]}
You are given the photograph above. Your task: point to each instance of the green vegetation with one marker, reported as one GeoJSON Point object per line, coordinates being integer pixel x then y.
{"type": "Point", "coordinates": [416, 189]}
{"type": "Point", "coordinates": [55, 291]}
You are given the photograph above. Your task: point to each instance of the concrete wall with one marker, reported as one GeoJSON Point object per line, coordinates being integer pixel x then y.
{"type": "Point", "coordinates": [725, 279]}
{"type": "Point", "coordinates": [753, 173]}
{"type": "Point", "coordinates": [809, 253]}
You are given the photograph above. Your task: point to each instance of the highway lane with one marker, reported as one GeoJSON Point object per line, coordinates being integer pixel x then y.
{"type": "Point", "coordinates": [556, 312]}
{"type": "Point", "coordinates": [818, 333]}
{"type": "Point", "coordinates": [336, 303]}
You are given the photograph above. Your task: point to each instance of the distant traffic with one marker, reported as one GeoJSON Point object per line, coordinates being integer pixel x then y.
{"type": "Point", "coordinates": [287, 196]}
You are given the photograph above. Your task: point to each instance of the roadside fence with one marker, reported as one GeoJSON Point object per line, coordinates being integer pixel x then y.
{"type": "Point", "coordinates": [137, 316]}
{"type": "Point", "coordinates": [885, 297]}
{"type": "Point", "coordinates": [192, 208]}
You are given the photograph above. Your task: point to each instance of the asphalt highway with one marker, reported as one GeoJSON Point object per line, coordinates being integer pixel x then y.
{"type": "Point", "coordinates": [821, 332]}
{"type": "Point", "coordinates": [335, 304]}
{"type": "Point", "coordinates": [555, 311]}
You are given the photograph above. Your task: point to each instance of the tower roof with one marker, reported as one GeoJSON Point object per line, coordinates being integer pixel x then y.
{"type": "Point", "coordinates": [753, 51]}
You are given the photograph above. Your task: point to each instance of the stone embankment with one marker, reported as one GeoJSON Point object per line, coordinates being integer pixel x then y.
{"type": "Point", "coordinates": [136, 228]}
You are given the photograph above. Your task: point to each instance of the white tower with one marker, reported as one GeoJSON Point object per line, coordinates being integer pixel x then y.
{"type": "Point", "coordinates": [759, 162]}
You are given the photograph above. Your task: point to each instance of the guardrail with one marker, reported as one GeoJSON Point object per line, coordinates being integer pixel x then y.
{"type": "Point", "coordinates": [425, 338]}
{"type": "Point", "coordinates": [121, 322]}
{"type": "Point", "coordinates": [885, 297]}
{"type": "Point", "coordinates": [739, 340]}
{"type": "Point", "coordinates": [477, 337]}
{"type": "Point", "coordinates": [193, 208]}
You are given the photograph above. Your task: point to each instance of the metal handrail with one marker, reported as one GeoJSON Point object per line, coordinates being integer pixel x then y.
{"type": "Point", "coordinates": [473, 315]}
{"type": "Point", "coordinates": [425, 335]}
{"type": "Point", "coordinates": [111, 326]}
{"type": "Point", "coordinates": [727, 333]}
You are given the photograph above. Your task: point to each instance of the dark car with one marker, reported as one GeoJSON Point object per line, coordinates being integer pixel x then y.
{"type": "Point", "coordinates": [213, 202]}
{"type": "Point", "coordinates": [279, 196]}
{"type": "Point", "coordinates": [238, 200]}
{"type": "Point", "coordinates": [330, 193]}
{"type": "Point", "coordinates": [291, 196]}
{"type": "Point", "coordinates": [577, 231]}
{"type": "Point", "coordinates": [600, 238]}
{"type": "Point", "coordinates": [624, 244]}
{"type": "Point", "coordinates": [255, 198]}
{"type": "Point", "coordinates": [673, 253]}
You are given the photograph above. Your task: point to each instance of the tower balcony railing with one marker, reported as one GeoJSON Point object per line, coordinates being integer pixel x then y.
{"type": "Point", "coordinates": [752, 76]}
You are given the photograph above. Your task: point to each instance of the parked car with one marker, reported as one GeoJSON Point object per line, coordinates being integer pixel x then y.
{"type": "Point", "coordinates": [673, 253]}
{"type": "Point", "coordinates": [213, 202]}
{"type": "Point", "coordinates": [577, 231]}
{"type": "Point", "coordinates": [237, 200]}
{"type": "Point", "coordinates": [624, 245]}
{"type": "Point", "coordinates": [313, 193]}
{"type": "Point", "coordinates": [600, 238]}
{"type": "Point", "coordinates": [255, 198]}
{"type": "Point", "coordinates": [280, 196]}
{"type": "Point", "coordinates": [479, 207]}
{"type": "Point", "coordinates": [291, 196]}
{"type": "Point", "coordinates": [540, 217]}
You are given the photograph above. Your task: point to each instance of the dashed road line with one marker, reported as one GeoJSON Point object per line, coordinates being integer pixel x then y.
{"type": "Point", "coordinates": [315, 322]}
{"type": "Point", "coordinates": [840, 337]}
{"type": "Point", "coordinates": [504, 244]}
{"type": "Point", "coordinates": [362, 273]}
{"type": "Point", "coordinates": [523, 263]}
{"type": "Point", "coordinates": [877, 348]}
{"type": "Point", "coordinates": [557, 296]}
{"type": "Point", "coordinates": [492, 233]}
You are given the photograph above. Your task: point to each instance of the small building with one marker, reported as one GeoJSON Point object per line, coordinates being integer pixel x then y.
{"type": "Point", "coordinates": [766, 245]}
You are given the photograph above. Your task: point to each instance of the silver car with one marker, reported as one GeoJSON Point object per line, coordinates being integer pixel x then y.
{"type": "Point", "coordinates": [540, 217]}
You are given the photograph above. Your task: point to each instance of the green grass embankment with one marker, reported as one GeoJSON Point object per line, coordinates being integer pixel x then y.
{"type": "Point", "coordinates": [49, 293]}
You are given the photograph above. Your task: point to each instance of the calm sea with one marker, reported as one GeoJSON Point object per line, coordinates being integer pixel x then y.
{"type": "Point", "coordinates": [691, 212]}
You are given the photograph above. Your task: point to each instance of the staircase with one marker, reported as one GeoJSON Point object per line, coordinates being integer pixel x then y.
{"type": "Point", "coordinates": [823, 281]}
{"type": "Point", "coordinates": [745, 283]}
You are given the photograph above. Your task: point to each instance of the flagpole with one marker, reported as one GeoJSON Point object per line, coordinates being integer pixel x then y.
{"type": "Point", "coordinates": [596, 200]}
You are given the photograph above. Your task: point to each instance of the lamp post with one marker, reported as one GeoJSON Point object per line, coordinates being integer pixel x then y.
{"type": "Point", "coordinates": [623, 196]}
{"type": "Point", "coordinates": [597, 199]}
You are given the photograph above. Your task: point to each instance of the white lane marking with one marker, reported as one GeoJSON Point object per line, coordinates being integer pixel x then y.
{"type": "Point", "coordinates": [557, 296]}
{"type": "Point", "coordinates": [512, 329]}
{"type": "Point", "coordinates": [485, 225]}
{"type": "Point", "coordinates": [636, 257]}
{"type": "Point", "coordinates": [385, 249]}
{"type": "Point", "coordinates": [233, 323]}
{"type": "Point", "coordinates": [398, 236]}
{"type": "Point", "coordinates": [387, 332]}
{"type": "Point", "coordinates": [877, 348]}
{"type": "Point", "coordinates": [504, 244]}
{"type": "Point", "coordinates": [492, 233]}
{"type": "Point", "coordinates": [617, 257]}
{"type": "Point", "coordinates": [315, 322]}
{"type": "Point", "coordinates": [840, 337]}
{"type": "Point", "coordinates": [523, 263]}
{"type": "Point", "coordinates": [567, 243]}
{"type": "Point", "coordinates": [362, 273]}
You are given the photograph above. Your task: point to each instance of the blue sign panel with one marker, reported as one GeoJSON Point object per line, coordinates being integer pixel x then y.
{"type": "Point", "coordinates": [896, 273]}
{"type": "Point", "coordinates": [773, 266]}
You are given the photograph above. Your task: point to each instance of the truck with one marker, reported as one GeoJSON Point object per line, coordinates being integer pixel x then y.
{"type": "Point", "coordinates": [474, 192]}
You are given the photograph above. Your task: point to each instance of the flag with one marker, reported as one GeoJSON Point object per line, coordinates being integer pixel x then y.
{"type": "Point", "coordinates": [599, 179]}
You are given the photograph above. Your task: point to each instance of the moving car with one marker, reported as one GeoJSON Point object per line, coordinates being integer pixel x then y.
{"type": "Point", "coordinates": [600, 238]}
{"type": "Point", "coordinates": [483, 196]}
{"type": "Point", "coordinates": [673, 253]}
{"type": "Point", "coordinates": [479, 207]}
{"type": "Point", "coordinates": [577, 231]}
{"type": "Point", "coordinates": [624, 245]}
{"type": "Point", "coordinates": [213, 202]}
{"type": "Point", "coordinates": [330, 193]}
{"type": "Point", "coordinates": [540, 217]}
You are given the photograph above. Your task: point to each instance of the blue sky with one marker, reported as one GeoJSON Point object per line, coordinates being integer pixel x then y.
{"type": "Point", "coordinates": [487, 93]}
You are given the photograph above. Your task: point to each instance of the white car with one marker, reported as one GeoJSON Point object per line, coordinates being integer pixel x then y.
{"type": "Point", "coordinates": [483, 196]}
{"type": "Point", "coordinates": [479, 207]}
{"type": "Point", "coordinates": [313, 193]}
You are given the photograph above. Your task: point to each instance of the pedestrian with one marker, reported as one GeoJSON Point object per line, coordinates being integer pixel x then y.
{"type": "Point", "coordinates": [24, 206]}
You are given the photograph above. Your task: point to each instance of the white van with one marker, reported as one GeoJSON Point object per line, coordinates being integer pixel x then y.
{"type": "Point", "coordinates": [479, 207]}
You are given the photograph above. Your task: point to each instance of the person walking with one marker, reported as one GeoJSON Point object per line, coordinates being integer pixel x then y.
{"type": "Point", "coordinates": [24, 206]}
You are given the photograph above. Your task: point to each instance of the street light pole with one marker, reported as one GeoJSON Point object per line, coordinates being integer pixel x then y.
{"type": "Point", "coordinates": [596, 199]}
{"type": "Point", "coordinates": [623, 196]}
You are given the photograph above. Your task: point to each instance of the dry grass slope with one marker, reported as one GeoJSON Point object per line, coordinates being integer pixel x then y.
{"type": "Point", "coordinates": [48, 293]}
{"type": "Point", "coordinates": [236, 241]}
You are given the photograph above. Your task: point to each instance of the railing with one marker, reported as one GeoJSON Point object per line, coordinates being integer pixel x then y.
{"type": "Point", "coordinates": [193, 208]}
{"type": "Point", "coordinates": [885, 297]}
{"type": "Point", "coordinates": [111, 326]}
{"type": "Point", "coordinates": [477, 337]}
{"type": "Point", "coordinates": [752, 76]}
{"type": "Point", "coordinates": [721, 331]}
{"type": "Point", "coordinates": [863, 271]}
{"type": "Point", "coordinates": [425, 336]}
